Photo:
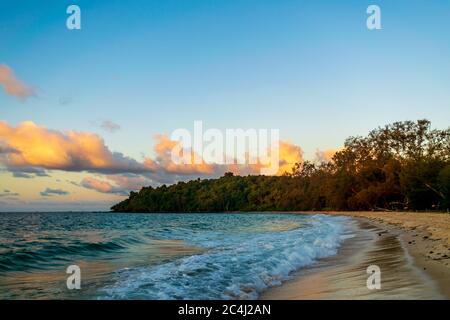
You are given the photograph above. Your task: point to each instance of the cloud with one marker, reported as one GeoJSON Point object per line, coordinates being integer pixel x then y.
{"type": "Point", "coordinates": [50, 192]}
{"type": "Point", "coordinates": [117, 184]}
{"type": "Point", "coordinates": [163, 160]}
{"type": "Point", "coordinates": [29, 150]}
{"type": "Point", "coordinates": [12, 85]}
{"type": "Point", "coordinates": [289, 154]}
{"type": "Point", "coordinates": [165, 170]}
{"type": "Point", "coordinates": [36, 146]}
{"type": "Point", "coordinates": [28, 172]}
{"type": "Point", "coordinates": [98, 185]}
{"type": "Point", "coordinates": [9, 194]}
{"type": "Point", "coordinates": [326, 155]}
{"type": "Point", "coordinates": [110, 126]}
{"type": "Point", "coordinates": [4, 149]}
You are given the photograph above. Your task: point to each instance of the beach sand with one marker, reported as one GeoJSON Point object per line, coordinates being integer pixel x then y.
{"type": "Point", "coordinates": [411, 249]}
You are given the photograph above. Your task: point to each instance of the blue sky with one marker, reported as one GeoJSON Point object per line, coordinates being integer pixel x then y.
{"type": "Point", "coordinates": [310, 68]}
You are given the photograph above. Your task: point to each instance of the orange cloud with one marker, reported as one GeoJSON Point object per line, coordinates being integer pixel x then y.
{"type": "Point", "coordinates": [36, 146]}
{"type": "Point", "coordinates": [163, 160]}
{"type": "Point", "coordinates": [12, 85]}
{"type": "Point", "coordinates": [326, 155]}
{"type": "Point", "coordinates": [28, 150]}
{"type": "Point", "coordinates": [289, 154]}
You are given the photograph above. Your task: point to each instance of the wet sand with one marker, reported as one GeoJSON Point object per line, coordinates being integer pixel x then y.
{"type": "Point", "coordinates": [408, 270]}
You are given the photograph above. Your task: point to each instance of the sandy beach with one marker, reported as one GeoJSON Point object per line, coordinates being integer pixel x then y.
{"type": "Point", "coordinates": [411, 249]}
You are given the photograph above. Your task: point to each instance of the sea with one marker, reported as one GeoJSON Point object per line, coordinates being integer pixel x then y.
{"type": "Point", "coordinates": [159, 255]}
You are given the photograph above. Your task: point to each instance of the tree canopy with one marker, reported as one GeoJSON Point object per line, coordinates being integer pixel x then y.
{"type": "Point", "coordinates": [402, 166]}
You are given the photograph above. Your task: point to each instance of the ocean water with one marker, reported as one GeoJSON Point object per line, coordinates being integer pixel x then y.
{"type": "Point", "coordinates": [159, 256]}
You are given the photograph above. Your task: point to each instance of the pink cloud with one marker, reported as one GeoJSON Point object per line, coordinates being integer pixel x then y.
{"type": "Point", "coordinates": [12, 85]}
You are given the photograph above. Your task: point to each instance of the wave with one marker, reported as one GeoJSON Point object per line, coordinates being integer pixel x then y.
{"type": "Point", "coordinates": [236, 267]}
{"type": "Point", "coordinates": [48, 253]}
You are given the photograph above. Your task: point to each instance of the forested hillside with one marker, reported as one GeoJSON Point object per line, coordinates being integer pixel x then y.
{"type": "Point", "coordinates": [402, 166]}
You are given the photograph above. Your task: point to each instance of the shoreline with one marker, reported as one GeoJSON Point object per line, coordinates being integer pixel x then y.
{"type": "Point", "coordinates": [412, 250]}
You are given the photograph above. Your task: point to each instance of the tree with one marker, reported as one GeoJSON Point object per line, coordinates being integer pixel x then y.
{"type": "Point", "coordinates": [404, 165]}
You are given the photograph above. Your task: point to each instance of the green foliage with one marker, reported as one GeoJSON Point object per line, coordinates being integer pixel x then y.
{"type": "Point", "coordinates": [405, 165]}
{"type": "Point", "coordinates": [444, 186]}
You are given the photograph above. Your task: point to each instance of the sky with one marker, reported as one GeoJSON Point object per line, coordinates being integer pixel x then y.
{"type": "Point", "coordinates": [85, 115]}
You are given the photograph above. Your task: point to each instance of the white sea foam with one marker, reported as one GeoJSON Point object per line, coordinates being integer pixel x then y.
{"type": "Point", "coordinates": [234, 266]}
